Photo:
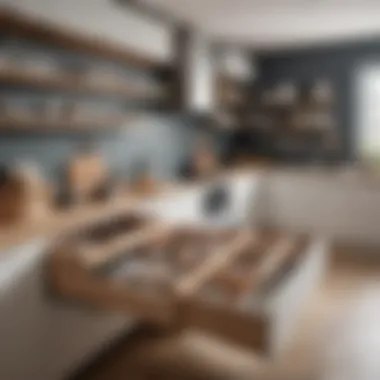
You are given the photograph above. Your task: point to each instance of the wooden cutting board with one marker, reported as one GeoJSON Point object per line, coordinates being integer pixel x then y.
{"type": "Point", "coordinates": [85, 174]}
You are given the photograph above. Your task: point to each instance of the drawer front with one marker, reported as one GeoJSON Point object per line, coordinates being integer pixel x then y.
{"type": "Point", "coordinates": [232, 301]}
{"type": "Point", "coordinates": [250, 330]}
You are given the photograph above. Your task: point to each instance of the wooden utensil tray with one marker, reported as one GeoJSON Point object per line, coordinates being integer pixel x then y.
{"type": "Point", "coordinates": [215, 280]}
{"type": "Point", "coordinates": [75, 265]}
{"type": "Point", "coordinates": [235, 301]}
{"type": "Point", "coordinates": [131, 265]}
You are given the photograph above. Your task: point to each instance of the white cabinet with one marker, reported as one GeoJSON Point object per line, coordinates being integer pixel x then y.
{"type": "Point", "coordinates": [186, 206]}
{"type": "Point", "coordinates": [44, 337]}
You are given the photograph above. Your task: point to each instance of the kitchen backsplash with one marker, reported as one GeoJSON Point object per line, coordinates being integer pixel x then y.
{"type": "Point", "coordinates": [161, 142]}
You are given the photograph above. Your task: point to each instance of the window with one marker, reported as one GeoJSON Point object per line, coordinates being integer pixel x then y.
{"type": "Point", "coordinates": [368, 121]}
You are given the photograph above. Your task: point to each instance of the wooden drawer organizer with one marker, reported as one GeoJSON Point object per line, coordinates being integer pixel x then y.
{"type": "Point", "coordinates": [214, 280]}
{"type": "Point", "coordinates": [232, 302]}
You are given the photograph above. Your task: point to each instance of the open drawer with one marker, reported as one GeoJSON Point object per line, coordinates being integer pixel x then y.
{"type": "Point", "coordinates": [135, 270]}
{"type": "Point", "coordinates": [76, 266]}
{"type": "Point", "coordinates": [236, 283]}
{"type": "Point", "coordinates": [255, 299]}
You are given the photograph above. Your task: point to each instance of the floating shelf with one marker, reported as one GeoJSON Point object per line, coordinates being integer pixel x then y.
{"type": "Point", "coordinates": [15, 24]}
{"type": "Point", "coordinates": [69, 84]}
{"type": "Point", "coordinates": [42, 125]}
{"type": "Point", "coordinates": [307, 120]}
{"type": "Point", "coordinates": [37, 79]}
{"type": "Point", "coordinates": [232, 102]}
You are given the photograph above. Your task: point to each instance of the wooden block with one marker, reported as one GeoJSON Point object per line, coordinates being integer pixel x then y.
{"type": "Point", "coordinates": [25, 196]}
{"type": "Point", "coordinates": [86, 173]}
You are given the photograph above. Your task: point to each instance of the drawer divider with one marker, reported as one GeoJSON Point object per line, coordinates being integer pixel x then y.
{"type": "Point", "coordinates": [215, 262]}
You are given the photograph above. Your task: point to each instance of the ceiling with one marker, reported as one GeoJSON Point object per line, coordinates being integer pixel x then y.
{"type": "Point", "coordinates": [267, 24]}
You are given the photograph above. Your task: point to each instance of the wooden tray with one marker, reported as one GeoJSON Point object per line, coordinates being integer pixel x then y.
{"type": "Point", "coordinates": [215, 280]}
{"type": "Point", "coordinates": [231, 302]}
{"type": "Point", "coordinates": [75, 266]}
{"type": "Point", "coordinates": [131, 265]}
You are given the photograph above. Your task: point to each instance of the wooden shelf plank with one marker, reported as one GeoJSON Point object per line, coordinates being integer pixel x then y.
{"type": "Point", "coordinates": [15, 24]}
{"type": "Point", "coordinates": [40, 125]}
{"type": "Point", "coordinates": [69, 84]}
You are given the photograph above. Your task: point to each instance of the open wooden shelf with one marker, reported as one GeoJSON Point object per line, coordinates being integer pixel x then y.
{"type": "Point", "coordinates": [232, 102]}
{"type": "Point", "coordinates": [296, 121]}
{"type": "Point", "coordinates": [17, 25]}
{"type": "Point", "coordinates": [83, 86]}
{"type": "Point", "coordinates": [42, 125]}
{"type": "Point", "coordinates": [72, 85]}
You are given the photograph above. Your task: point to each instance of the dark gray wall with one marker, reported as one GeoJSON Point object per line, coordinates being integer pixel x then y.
{"type": "Point", "coordinates": [340, 63]}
